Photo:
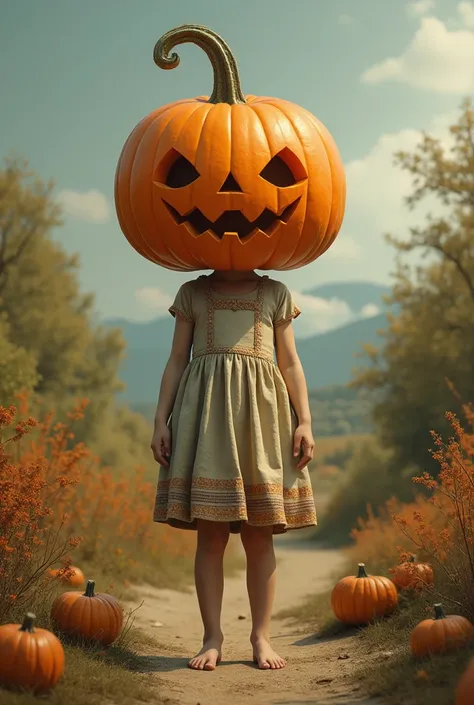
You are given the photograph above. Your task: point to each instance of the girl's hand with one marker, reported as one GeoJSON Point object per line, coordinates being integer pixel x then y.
{"type": "Point", "coordinates": [161, 445]}
{"type": "Point", "coordinates": [304, 444]}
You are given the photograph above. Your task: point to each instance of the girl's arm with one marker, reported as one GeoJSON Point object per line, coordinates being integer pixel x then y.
{"type": "Point", "coordinates": [292, 372]}
{"type": "Point", "coordinates": [177, 363]}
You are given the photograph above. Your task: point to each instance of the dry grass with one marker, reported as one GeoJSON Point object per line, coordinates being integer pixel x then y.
{"type": "Point", "coordinates": [94, 675]}
{"type": "Point", "coordinates": [396, 675]}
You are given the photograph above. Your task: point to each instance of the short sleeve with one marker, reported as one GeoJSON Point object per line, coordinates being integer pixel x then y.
{"type": "Point", "coordinates": [285, 309]}
{"type": "Point", "coordinates": [182, 305]}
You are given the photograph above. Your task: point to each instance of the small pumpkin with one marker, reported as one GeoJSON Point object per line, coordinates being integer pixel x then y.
{"type": "Point", "coordinates": [74, 577]}
{"type": "Point", "coordinates": [441, 634]}
{"type": "Point", "coordinates": [465, 688]}
{"type": "Point", "coordinates": [231, 181]}
{"type": "Point", "coordinates": [412, 575]}
{"type": "Point", "coordinates": [96, 617]}
{"type": "Point", "coordinates": [30, 658]}
{"type": "Point", "coordinates": [360, 599]}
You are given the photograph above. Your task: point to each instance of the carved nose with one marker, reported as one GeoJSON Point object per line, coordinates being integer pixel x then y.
{"type": "Point", "coordinates": [230, 184]}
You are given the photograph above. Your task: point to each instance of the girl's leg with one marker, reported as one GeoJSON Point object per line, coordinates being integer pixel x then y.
{"type": "Point", "coordinates": [209, 577]}
{"type": "Point", "coordinates": [261, 574]}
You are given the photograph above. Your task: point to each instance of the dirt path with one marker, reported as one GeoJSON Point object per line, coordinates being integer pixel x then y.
{"type": "Point", "coordinates": [319, 671]}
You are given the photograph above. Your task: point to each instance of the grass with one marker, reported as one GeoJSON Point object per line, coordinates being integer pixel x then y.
{"type": "Point", "coordinates": [95, 675]}
{"type": "Point", "coordinates": [398, 677]}
{"type": "Point", "coordinates": [388, 669]}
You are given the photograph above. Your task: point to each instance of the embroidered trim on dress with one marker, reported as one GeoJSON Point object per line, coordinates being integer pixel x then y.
{"type": "Point", "coordinates": [215, 303]}
{"type": "Point", "coordinates": [176, 312]}
{"type": "Point", "coordinates": [294, 314]}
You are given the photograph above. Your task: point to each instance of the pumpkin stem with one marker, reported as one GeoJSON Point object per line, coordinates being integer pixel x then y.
{"type": "Point", "coordinates": [226, 75]}
{"type": "Point", "coordinates": [412, 558]}
{"type": "Point", "coordinates": [28, 623]}
{"type": "Point", "coordinates": [90, 588]}
{"type": "Point", "coordinates": [438, 611]}
{"type": "Point", "coordinates": [362, 571]}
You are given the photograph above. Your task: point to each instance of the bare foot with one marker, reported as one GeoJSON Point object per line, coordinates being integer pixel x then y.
{"type": "Point", "coordinates": [209, 656]}
{"type": "Point", "coordinates": [265, 657]}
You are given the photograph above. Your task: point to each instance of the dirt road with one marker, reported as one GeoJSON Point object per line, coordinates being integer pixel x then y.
{"type": "Point", "coordinates": [318, 671]}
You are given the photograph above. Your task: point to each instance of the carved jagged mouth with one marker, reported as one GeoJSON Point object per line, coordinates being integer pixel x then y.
{"type": "Point", "coordinates": [232, 221]}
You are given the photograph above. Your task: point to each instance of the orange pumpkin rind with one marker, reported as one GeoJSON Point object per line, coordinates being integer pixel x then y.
{"type": "Point", "coordinates": [229, 182]}
{"type": "Point", "coordinates": [361, 599]}
{"type": "Point", "coordinates": [442, 634]}
{"type": "Point", "coordinates": [91, 616]}
{"type": "Point", "coordinates": [30, 658]}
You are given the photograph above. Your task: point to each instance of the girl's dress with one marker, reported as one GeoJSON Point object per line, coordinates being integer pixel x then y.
{"type": "Point", "coordinates": [232, 424]}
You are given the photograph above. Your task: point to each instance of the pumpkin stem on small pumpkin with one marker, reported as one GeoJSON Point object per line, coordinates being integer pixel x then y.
{"type": "Point", "coordinates": [438, 611]}
{"type": "Point", "coordinates": [412, 558]}
{"type": "Point", "coordinates": [90, 588]}
{"type": "Point", "coordinates": [226, 75]}
{"type": "Point", "coordinates": [362, 571]}
{"type": "Point", "coordinates": [28, 623]}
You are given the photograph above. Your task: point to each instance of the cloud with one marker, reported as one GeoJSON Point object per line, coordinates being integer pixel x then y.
{"type": "Point", "coordinates": [370, 310]}
{"type": "Point", "coordinates": [344, 247]}
{"type": "Point", "coordinates": [466, 10]}
{"type": "Point", "coordinates": [319, 315]}
{"type": "Point", "coordinates": [422, 7]}
{"type": "Point", "coordinates": [376, 189]}
{"type": "Point", "coordinates": [90, 206]}
{"type": "Point", "coordinates": [154, 298]}
{"type": "Point", "coordinates": [436, 59]}
{"type": "Point", "coordinates": [345, 20]}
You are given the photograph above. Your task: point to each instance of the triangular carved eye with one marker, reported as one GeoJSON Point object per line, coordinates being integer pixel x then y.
{"type": "Point", "coordinates": [284, 169]}
{"type": "Point", "coordinates": [181, 173]}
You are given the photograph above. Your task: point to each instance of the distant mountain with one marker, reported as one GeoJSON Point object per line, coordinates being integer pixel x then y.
{"type": "Point", "coordinates": [327, 358]}
{"type": "Point", "coordinates": [357, 295]}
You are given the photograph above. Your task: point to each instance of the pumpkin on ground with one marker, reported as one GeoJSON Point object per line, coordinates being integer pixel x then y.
{"type": "Point", "coordinates": [412, 575]}
{"type": "Point", "coordinates": [441, 634]}
{"type": "Point", "coordinates": [360, 599]}
{"type": "Point", "coordinates": [465, 688]}
{"type": "Point", "coordinates": [30, 658]}
{"type": "Point", "coordinates": [231, 181]}
{"type": "Point", "coordinates": [96, 617]}
{"type": "Point", "coordinates": [74, 577]}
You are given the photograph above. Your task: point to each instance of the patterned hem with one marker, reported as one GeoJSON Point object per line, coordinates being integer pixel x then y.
{"type": "Point", "coordinates": [181, 503]}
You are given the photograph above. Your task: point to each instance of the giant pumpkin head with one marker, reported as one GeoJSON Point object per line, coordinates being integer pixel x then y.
{"type": "Point", "coordinates": [231, 181]}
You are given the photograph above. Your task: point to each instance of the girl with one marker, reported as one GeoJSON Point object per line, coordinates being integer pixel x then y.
{"type": "Point", "coordinates": [234, 456]}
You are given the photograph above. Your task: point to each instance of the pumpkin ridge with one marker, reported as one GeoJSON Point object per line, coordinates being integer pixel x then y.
{"type": "Point", "coordinates": [119, 187]}
{"type": "Point", "coordinates": [261, 110]}
{"type": "Point", "coordinates": [281, 104]}
{"type": "Point", "coordinates": [167, 241]}
{"type": "Point", "coordinates": [324, 135]}
{"type": "Point", "coordinates": [278, 104]}
{"type": "Point", "coordinates": [171, 114]}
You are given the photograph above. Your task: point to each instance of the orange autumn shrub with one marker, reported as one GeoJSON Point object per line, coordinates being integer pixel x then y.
{"type": "Point", "coordinates": [33, 537]}
{"type": "Point", "coordinates": [377, 538]}
{"type": "Point", "coordinates": [439, 525]}
{"type": "Point", "coordinates": [58, 503]}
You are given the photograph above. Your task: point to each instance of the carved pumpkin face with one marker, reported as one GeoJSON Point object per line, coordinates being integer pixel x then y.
{"type": "Point", "coordinates": [232, 182]}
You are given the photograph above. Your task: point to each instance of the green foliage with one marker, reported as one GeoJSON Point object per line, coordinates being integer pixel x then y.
{"type": "Point", "coordinates": [340, 411]}
{"type": "Point", "coordinates": [17, 366]}
{"type": "Point", "coordinates": [432, 339]}
{"type": "Point", "coordinates": [49, 342]}
{"type": "Point", "coordinates": [370, 478]}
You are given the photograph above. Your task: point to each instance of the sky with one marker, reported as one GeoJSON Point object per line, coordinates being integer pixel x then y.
{"type": "Point", "coordinates": [78, 75]}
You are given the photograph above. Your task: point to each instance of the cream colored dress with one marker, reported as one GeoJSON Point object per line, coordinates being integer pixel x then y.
{"type": "Point", "coordinates": [232, 424]}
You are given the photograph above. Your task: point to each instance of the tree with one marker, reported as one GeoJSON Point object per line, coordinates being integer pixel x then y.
{"type": "Point", "coordinates": [430, 342]}
{"type": "Point", "coordinates": [47, 315]}
{"type": "Point", "coordinates": [17, 367]}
